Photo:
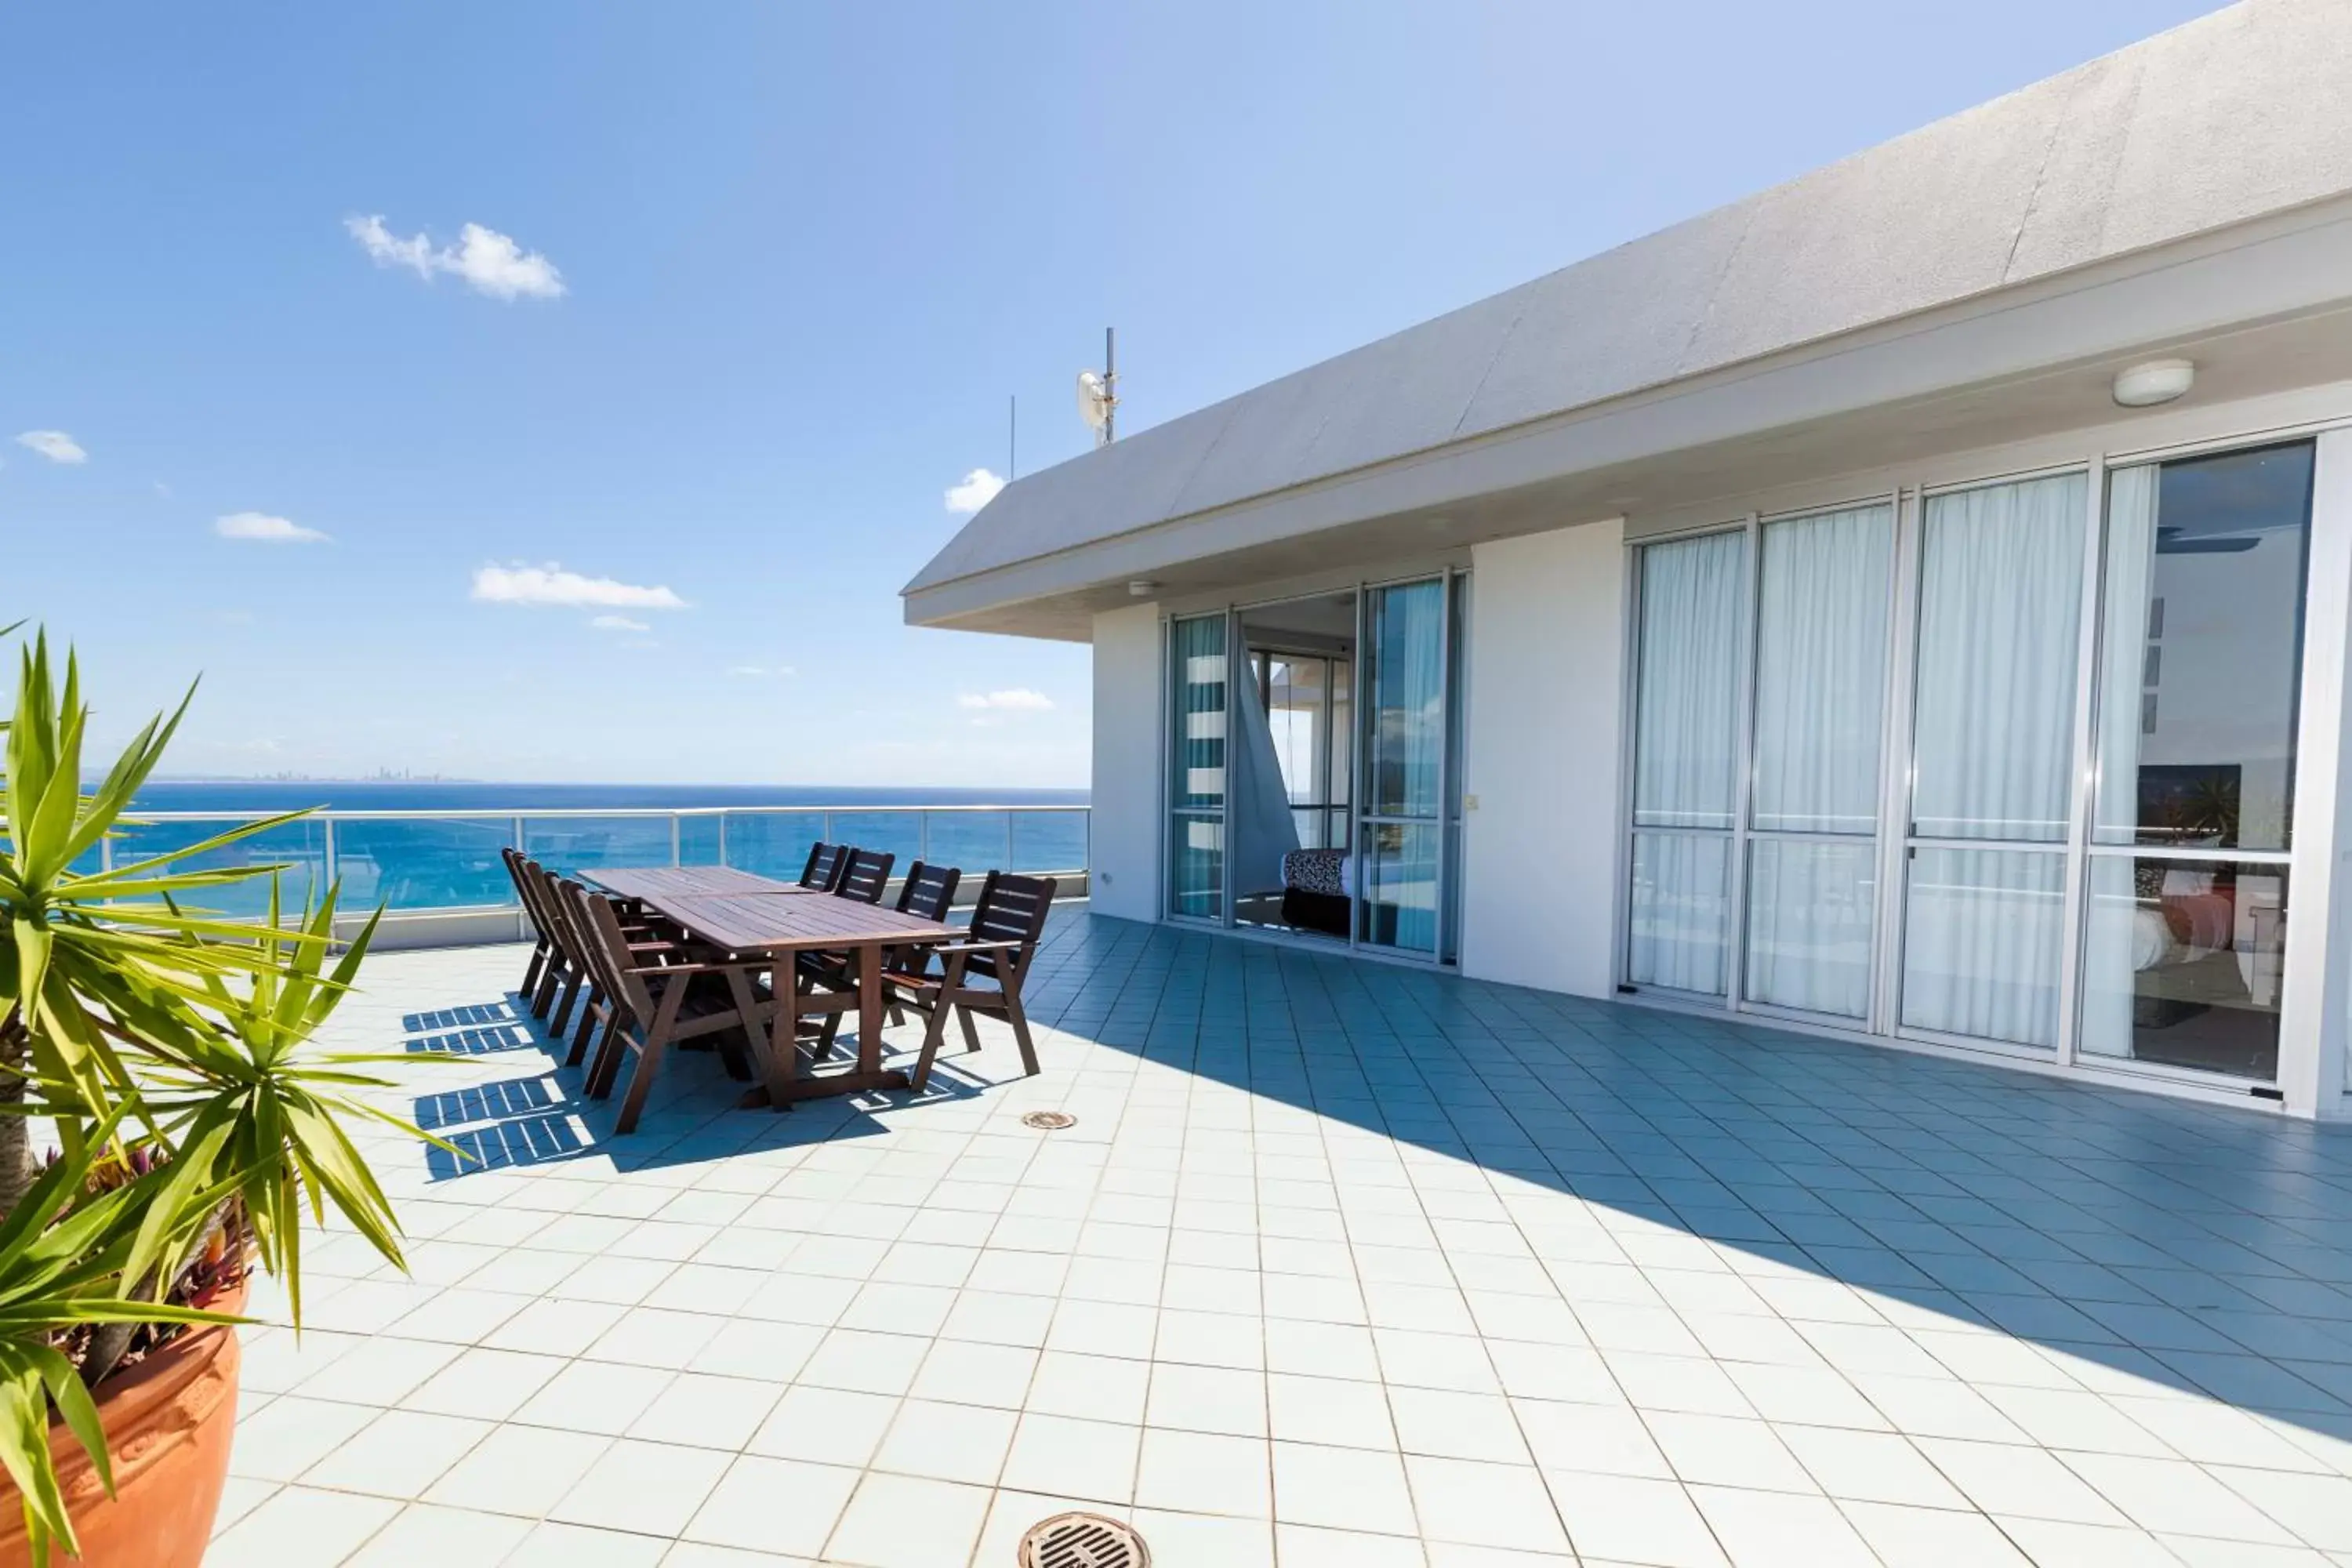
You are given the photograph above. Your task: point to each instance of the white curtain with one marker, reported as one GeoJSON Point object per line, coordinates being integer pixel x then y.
{"type": "Point", "coordinates": [1260, 830]}
{"type": "Point", "coordinates": [1820, 671]}
{"type": "Point", "coordinates": [1687, 707]}
{"type": "Point", "coordinates": [2123, 649]}
{"type": "Point", "coordinates": [1681, 899]}
{"type": "Point", "coordinates": [1808, 924]}
{"type": "Point", "coordinates": [1981, 941]}
{"type": "Point", "coordinates": [2000, 592]}
{"type": "Point", "coordinates": [1999, 601]}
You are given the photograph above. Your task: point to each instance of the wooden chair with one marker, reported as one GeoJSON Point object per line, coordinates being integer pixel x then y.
{"type": "Point", "coordinates": [865, 876]}
{"type": "Point", "coordinates": [824, 868]}
{"type": "Point", "coordinates": [928, 893]}
{"type": "Point", "coordinates": [658, 1000]}
{"type": "Point", "coordinates": [544, 950]}
{"type": "Point", "coordinates": [583, 986]}
{"type": "Point", "coordinates": [983, 971]}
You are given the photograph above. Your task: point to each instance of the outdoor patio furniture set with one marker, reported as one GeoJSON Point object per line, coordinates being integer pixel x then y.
{"type": "Point", "coordinates": [635, 960]}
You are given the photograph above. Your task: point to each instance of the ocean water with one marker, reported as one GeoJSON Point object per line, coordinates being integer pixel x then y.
{"type": "Point", "coordinates": [424, 863]}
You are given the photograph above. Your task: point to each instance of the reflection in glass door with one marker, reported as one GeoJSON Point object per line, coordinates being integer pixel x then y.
{"type": "Point", "coordinates": [2201, 668]}
{"type": "Point", "coordinates": [1993, 721]}
{"type": "Point", "coordinates": [1196, 755]}
{"type": "Point", "coordinates": [1402, 886]}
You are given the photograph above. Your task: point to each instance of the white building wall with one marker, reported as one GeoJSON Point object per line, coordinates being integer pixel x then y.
{"type": "Point", "coordinates": [1539, 847]}
{"type": "Point", "coordinates": [1125, 848]}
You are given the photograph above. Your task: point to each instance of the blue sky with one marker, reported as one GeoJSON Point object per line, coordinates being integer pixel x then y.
{"type": "Point", "coordinates": [751, 286]}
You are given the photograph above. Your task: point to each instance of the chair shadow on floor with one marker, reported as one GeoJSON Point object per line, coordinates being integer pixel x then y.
{"type": "Point", "coordinates": [540, 1113]}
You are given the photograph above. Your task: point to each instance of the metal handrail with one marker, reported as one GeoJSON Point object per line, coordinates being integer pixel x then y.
{"type": "Point", "coordinates": [448, 813]}
{"type": "Point", "coordinates": [513, 828]}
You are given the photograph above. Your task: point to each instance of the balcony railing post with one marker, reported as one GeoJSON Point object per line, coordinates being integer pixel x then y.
{"type": "Point", "coordinates": [722, 838]}
{"type": "Point", "coordinates": [677, 857]}
{"type": "Point", "coordinates": [327, 859]}
{"type": "Point", "coordinates": [923, 835]}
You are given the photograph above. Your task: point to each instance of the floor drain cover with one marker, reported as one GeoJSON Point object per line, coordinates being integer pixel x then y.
{"type": "Point", "coordinates": [1054, 1121]}
{"type": "Point", "coordinates": [1083, 1540]}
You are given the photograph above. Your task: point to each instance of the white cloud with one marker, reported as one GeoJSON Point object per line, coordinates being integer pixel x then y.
{"type": "Point", "coordinates": [759, 671]}
{"type": "Point", "coordinates": [268, 529]}
{"type": "Point", "coordinates": [979, 488]}
{"type": "Point", "coordinates": [1018, 699]}
{"type": "Point", "coordinates": [491, 263]}
{"type": "Point", "coordinates": [618, 624]}
{"type": "Point", "coordinates": [551, 584]}
{"type": "Point", "coordinates": [54, 445]}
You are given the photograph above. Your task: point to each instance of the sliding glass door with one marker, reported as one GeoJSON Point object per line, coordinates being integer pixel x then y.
{"type": "Point", "coordinates": [2200, 667]}
{"type": "Point", "coordinates": [1940, 802]}
{"type": "Point", "coordinates": [2000, 592]}
{"type": "Point", "coordinates": [1823, 590]}
{"type": "Point", "coordinates": [1314, 762]}
{"type": "Point", "coordinates": [1687, 667]}
{"type": "Point", "coordinates": [1401, 836]}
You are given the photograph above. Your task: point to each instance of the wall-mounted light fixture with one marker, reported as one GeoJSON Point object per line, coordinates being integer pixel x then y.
{"type": "Point", "coordinates": [2158, 381]}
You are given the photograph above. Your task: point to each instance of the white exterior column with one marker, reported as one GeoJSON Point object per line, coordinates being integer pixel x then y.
{"type": "Point", "coordinates": [2315, 1004]}
{"type": "Point", "coordinates": [1124, 849]}
{"type": "Point", "coordinates": [1539, 845]}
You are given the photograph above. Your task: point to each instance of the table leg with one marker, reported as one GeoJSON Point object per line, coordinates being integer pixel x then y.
{"type": "Point", "coordinates": [780, 1061]}
{"type": "Point", "coordinates": [869, 1008]}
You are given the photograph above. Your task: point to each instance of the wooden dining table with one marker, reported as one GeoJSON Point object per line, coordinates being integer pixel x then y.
{"type": "Point", "coordinates": [781, 930]}
{"type": "Point", "coordinates": [643, 883]}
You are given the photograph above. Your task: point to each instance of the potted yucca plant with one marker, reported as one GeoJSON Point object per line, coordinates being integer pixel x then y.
{"type": "Point", "coordinates": [164, 1121]}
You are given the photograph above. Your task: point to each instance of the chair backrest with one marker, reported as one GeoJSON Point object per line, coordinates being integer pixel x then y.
{"type": "Point", "coordinates": [555, 909]}
{"type": "Point", "coordinates": [1011, 908]}
{"type": "Point", "coordinates": [929, 891]}
{"type": "Point", "coordinates": [527, 890]}
{"type": "Point", "coordinates": [608, 952]}
{"type": "Point", "coordinates": [824, 868]}
{"type": "Point", "coordinates": [865, 873]}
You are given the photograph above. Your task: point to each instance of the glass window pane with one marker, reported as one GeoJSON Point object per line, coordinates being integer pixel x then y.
{"type": "Point", "coordinates": [1981, 943]}
{"type": "Point", "coordinates": [1681, 909]}
{"type": "Point", "coordinates": [1294, 716]}
{"type": "Point", "coordinates": [898, 834]}
{"type": "Point", "coordinates": [1687, 674]}
{"type": "Point", "coordinates": [426, 862]}
{"type": "Point", "coordinates": [773, 843]}
{"type": "Point", "coordinates": [698, 840]}
{"type": "Point", "coordinates": [2200, 652]}
{"type": "Point", "coordinates": [1809, 925]}
{"type": "Point", "coordinates": [1405, 676]}
{"type": "Point", "coordinates": [1196, 870]}
{"type": "Point", "coordinates": [299, 847]}
{"type": "Point", "coordinates": [2182, 963]}
{"type": "Point", "coordinates": [1399, 873]}
{"type": "Point", "coordinates": [1049, 841]}
{"type": "Point", "coordinates": [1821, 670]}
{"type": "Point", "coordinates": [571, 845]}
{"type": "Point", "coordinates": [1999, 598]}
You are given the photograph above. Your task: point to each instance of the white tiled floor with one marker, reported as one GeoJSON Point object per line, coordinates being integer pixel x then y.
{"type": "Point", "coordinates": [1343, 1266]}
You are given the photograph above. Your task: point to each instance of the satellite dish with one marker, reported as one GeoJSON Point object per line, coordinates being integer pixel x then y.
{"type": "Point", "coordinates": [1094, 400]}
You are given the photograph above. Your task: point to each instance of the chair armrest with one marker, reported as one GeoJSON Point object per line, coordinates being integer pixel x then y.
{"type": "Point", "coordinates": [961, 946]}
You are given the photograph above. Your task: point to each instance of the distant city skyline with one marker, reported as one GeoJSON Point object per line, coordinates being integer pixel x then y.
{"type": "Point", "coordinates": [529, 392]}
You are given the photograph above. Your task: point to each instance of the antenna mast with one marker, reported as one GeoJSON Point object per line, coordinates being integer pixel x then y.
{"type": "Point", "coordinates": [1111, 385]}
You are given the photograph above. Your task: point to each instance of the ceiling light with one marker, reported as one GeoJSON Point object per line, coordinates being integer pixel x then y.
{"type": "Point", "coordinates": [2158, 381]}
{"type": "Point", "coordinates": [1141, 588]}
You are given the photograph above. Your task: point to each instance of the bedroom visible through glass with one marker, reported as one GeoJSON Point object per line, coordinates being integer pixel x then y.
{"type": "Point", "coordinates": [2201, 666]}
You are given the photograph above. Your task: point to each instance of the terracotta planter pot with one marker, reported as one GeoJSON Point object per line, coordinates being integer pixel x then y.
{"type": "Point", "coordinates": [168, 1424]}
